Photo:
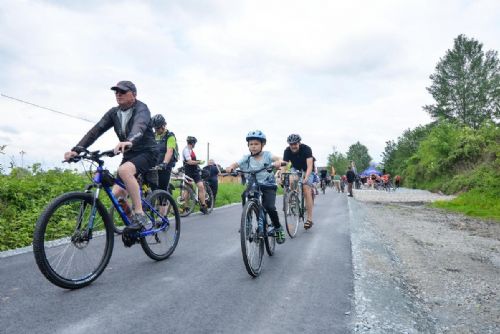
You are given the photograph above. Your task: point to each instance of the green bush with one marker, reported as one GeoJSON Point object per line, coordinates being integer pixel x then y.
{"type": "Point", "coordinates": [24, 195]}
{"type": "Point", "coordinates": [459, 160]}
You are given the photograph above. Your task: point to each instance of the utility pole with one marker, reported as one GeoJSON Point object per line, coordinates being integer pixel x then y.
{"type": "Point", "coordinates": [22, 153]}
{"type": "Point", "coordinates": [208, 152]}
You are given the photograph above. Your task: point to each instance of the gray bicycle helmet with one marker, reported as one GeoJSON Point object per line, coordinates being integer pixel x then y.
{"type": "Point", "coordinates": [293, 139]}
{"type": "Point", "coordinates": [191, 140]}
{"type": "Point", "coordinates": [258, 135]}
{"type": "Point", "coordinates": [158, 121]}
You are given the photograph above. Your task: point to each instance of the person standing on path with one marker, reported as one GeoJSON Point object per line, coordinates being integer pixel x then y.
{"type": "Point", "coordinates": [213, 177]}
{"type": "Point", "coordinates": [351, 177]}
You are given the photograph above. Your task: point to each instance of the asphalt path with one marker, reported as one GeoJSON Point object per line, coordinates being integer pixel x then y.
{"type": "Point", "coordinates": [306, 287]}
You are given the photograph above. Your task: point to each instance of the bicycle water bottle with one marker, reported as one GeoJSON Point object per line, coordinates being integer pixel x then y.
{"type": "Point", "coordinates": [126, 208]}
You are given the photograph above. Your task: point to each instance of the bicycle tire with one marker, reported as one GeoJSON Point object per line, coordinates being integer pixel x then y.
{"type": "Point", "coordinates": [269, 240]}
{"type": "Point", "coordinates": [292, 214]}
{"type": "Point", "coordinates": [159, 246]}
{"type": "Point", "coordinates": [186, 206]}
{"type": "Point", "coordinates": [55, 234]}
{"type": "Point", "coordinates": [209, 197]}
{"type": "Point", "coordinates": [252, 246]}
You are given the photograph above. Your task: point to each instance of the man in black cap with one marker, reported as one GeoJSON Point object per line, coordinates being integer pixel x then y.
{"type": "Point", "coordinates": [131, 122]}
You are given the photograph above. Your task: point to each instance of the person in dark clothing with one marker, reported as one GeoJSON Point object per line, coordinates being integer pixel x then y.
{"type": "Point", "coordinates": [351, 177]}
{"type": "Point", "coordinates": [213, 177]}
{"type": "Point", "coordinates": [131, 122]}
{"type": "Point", "coordinates": [168, 151]}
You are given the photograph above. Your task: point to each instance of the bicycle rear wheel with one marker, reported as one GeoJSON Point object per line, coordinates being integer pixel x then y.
{"type": "Point", "coordinates": [186, 200]}
{"type": "Point", "coordinates": [252, 246]}
{"type": "Point", "coordinates": [292, 214]}
{"type": "Point", "coordinates": [269, 239]}
{"type": "Point", "coordinates": [165, 218]}
{"type": "Point", "coordinates": [67, 252]}
{"type": "Point", "coordinates": [209, 197]}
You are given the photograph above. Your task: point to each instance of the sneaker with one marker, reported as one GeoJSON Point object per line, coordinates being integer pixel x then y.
{"type": "Point", "coordinates": [138, 222]}
{"type": "Point", "coordinates": [203, 209]}
{"type": "Point", "coordinates": [280, 235]}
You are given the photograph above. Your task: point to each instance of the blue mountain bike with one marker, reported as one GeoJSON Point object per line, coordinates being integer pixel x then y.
{"type": "Point", "coordinates": [73, 239]}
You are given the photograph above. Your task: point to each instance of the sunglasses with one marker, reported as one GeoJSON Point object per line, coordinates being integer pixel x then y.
{"type": "Point", "coordinates": [121, 92]}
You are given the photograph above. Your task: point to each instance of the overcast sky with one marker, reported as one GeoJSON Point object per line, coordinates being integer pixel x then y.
{"type": "Point", "coordinates": [336, 72]}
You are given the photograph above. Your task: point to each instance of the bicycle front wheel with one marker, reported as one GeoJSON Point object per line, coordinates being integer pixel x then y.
{"type": "Point", "coordinates": [292, 214]}
{"type": "Point", "coordinates": [166, 221]}
{"type": "Point", "coordinates": [252, 246]}
{"type": "Point", "coordinates": [72, 247]}
{"type": "Point", "coordinates": [186, 200]}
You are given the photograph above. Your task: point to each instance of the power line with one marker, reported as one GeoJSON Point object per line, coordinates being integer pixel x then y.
{"type": "Point", "coordinates": [49, 109]}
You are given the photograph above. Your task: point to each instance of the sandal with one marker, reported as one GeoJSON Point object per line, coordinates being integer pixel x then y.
{"type": "Point", "coordinates": [308, 224]}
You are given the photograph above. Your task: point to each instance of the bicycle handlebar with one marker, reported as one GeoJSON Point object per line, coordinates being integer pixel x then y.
{"type": "Point", "coordinates": [93, 156]}
{"type": "Point", "coordinates": [266, 167]}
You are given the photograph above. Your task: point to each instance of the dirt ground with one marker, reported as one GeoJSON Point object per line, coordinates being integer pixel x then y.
{"type": "Point", "coordinates": [447, 266]}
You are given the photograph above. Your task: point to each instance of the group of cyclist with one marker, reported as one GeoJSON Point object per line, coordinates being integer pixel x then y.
{"type": "Point", "coordinates": [144, 149]}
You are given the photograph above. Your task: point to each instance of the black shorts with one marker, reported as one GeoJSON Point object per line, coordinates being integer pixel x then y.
{"type": "Point", "coordinates": [194, 174]}
{"type": "Point", "coordinates": [142, 161]}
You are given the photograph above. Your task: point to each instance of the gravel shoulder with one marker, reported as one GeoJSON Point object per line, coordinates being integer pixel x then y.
{"type": "Point", "coordinates": [422, 270]}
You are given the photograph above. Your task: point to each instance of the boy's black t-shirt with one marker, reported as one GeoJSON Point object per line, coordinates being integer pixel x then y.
{"type": "Point", "coordinates": [299, 159]}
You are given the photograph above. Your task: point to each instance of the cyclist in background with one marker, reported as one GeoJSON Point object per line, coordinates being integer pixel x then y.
{"type": "Point", "coordinates": [257, 159]}
{"type": "Point", "coordinates": [301, 157]}
{"type": "Point", "coordinates": [167, 149]}
{"type": "Point", "coordinates": [131, 122]}
{"type": "Point", "coordinates": [322, 176]}
{"type": "Point", "coordinates": [192, 169]}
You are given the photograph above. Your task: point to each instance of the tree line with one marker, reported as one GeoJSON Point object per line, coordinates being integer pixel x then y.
{"type": "Point", "coordinates": [459, 152]}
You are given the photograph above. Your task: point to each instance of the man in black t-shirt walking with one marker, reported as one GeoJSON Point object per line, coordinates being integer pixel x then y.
{"type": "Point", "coordinates": [301, 157]}
{"type": "Point", "coordinates": [351, 177]}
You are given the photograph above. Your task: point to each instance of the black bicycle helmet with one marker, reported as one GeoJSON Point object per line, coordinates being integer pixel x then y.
{"type": "Point", "coordinates": [158, 121]}
{"type": "Point", "coordinates": [293, 139]}
{"type": "Point", "coordinates": [191, 140]}
{"type": "Point", "coordinates": [258, 135]}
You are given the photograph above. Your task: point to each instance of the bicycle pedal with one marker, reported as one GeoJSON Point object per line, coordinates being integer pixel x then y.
{"type": "Point", "coordinates": [129, 238]}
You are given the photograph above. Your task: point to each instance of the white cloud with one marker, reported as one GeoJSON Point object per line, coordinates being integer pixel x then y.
{"type": "Point", "coordinates": [336, 72]}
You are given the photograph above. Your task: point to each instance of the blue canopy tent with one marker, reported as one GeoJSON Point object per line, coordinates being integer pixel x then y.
{"type": "Point", "coordinates": [369, 171]}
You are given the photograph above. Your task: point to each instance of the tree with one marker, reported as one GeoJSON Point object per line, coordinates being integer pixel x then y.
{"type": "Point", "coordinates": [466, 84]}
{"type": "Point", "coordinates": [397, 154]}
{"type": "Point", "coordinates": [359, 154]}
{"type": "Point", "coordinates": [338, 161]}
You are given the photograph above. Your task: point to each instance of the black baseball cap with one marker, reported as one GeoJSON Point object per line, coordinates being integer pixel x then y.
{"type": "Point", "coordinates": [125, 86]}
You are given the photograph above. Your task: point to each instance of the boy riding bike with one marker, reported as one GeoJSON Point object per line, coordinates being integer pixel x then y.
{"type": "Point", "coordinates": [256, 160]}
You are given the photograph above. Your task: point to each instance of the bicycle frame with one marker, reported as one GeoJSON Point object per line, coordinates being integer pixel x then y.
{"type": "Point", "coordinates": [98, 184]}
